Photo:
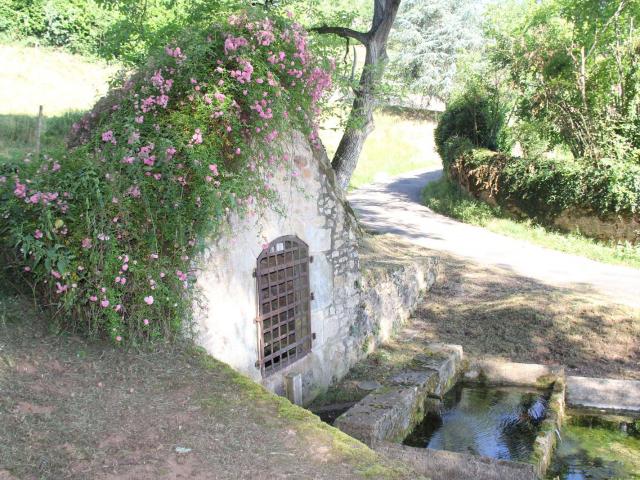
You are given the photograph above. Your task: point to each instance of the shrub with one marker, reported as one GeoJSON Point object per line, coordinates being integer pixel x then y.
{"type": "Point", "coordinates": [75, 24]}
{"type": "Point", "coordinates": [542, 187]}
{"type": "Point", "coordinates": [106, 233]}
{"type": "Point", "coordinates": [472, 115]}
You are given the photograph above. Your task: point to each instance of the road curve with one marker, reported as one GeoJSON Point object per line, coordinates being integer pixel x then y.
{"type": "Point", "coordinates": [394, 206]}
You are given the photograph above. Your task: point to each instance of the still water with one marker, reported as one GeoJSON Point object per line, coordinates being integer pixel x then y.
{"type": "Point", "coordinates": [494, 422]}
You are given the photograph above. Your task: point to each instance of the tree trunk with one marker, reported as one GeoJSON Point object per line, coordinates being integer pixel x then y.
{"type": "Point", "coordinates": [360, 122]}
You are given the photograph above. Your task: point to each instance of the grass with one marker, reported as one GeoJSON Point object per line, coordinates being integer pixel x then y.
{"type": "Point", "coordinates": [137, 406]}
{"type": "Point", "coordinates": [57, 80]}
{"type": "Point", "coordinates": [18, 133]}
{"type": "Point", "coordinates": [397, 145]}
{"type": "Point", "coordinates": [447, 199]}
{"type": "Point", "coordinates": [64, 84]}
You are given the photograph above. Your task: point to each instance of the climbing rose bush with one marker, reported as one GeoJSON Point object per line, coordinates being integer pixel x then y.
{"type": "Point", "coordinates": [106, 233]}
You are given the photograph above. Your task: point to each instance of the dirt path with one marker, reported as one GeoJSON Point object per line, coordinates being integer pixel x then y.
{"type": "Point", "coordinates": [72, 409]}
{"type": "Point", "coordinates": [394, 206]}
{"type": "Point", "coordinates": [508, 298]}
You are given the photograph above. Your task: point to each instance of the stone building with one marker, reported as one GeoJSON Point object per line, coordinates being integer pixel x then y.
{"type": "Point", "coordinates": [284, 293]}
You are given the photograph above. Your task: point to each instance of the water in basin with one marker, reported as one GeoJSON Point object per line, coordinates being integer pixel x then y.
{"type": "Point", "coordinates": [494, 422]}
{"type": "Point", "coordinates": [596, 450]}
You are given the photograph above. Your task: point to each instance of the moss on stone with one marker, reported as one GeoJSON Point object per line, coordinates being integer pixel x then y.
{"type": "Point", "coordinates": [368, 463]}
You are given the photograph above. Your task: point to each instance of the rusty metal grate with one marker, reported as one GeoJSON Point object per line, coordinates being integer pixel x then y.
{"type": "Point", "coordinates": [284, 309]}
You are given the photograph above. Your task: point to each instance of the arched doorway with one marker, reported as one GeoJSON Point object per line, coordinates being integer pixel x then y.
{"type": "Point", "coordinates": [284, 303]}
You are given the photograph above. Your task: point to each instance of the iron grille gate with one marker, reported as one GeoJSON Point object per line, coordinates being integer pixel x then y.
{"type": "Point", "coordinates": [284, 309]}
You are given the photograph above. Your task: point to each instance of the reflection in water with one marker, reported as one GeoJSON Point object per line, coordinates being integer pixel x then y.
{"type": "Point", "coordinates": [494, 422]}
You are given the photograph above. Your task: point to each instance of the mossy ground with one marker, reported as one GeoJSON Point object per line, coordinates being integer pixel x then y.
{"type": "Point", "coordinates": [610, 452]}
{"type": "Point", "coordinates": [76, 409]}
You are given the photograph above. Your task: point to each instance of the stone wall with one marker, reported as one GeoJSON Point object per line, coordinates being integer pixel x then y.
{"type": "Point", "coordinates": [313, 210]}
{"type": "Point", "coordinates": [616, 227]}
{"type": "Point", "coordinates": [347, 311]}
{"type": "Point", "coordinates": [395, 273]}
{"type": "Point", "coordinates": [482, 183]}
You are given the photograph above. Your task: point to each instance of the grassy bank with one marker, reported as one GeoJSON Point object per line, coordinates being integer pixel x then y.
{"type": "Point", "coordinates": [64, 84]}
{"type": "Point", "coordinates": [447, 199]}
{"type": "Point", "coordinates": [398, 144]}
{"type": "Point", "coordinates": [57, 80]}
{"type": "Point", "coordinates": [77, 409]}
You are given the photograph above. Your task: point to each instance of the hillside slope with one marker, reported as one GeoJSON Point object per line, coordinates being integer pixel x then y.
{"type": "Point", "coordinates": [75, 409]}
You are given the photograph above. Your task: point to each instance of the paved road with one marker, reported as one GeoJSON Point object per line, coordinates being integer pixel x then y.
{"type": "Point", "coordinates": [394, 206]}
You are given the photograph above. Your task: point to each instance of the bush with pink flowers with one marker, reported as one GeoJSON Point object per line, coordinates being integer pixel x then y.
{"type": "Point", "coordinates": [105, 233]}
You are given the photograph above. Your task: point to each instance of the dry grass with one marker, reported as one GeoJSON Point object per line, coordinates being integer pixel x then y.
{"type": "Point", "coordinates": [73, 409]}
{"type": "Point", "coordinates": [494, 312]}
{"type": "Point", "coordinates": [57, 80]}
{"type": "Point", "coordinates": [397, 145]}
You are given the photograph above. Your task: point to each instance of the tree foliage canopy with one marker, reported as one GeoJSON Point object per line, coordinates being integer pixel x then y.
{"type": "Point", "coordinates": [427, 40]}
{"type": "Point", "coordinates": [575, 67]}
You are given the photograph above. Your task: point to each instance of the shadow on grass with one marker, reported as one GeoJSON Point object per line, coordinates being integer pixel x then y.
{"type": "Point", "coordinates": [495, 312]}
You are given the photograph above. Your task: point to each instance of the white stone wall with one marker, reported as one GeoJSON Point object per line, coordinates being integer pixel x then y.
{"type": "Point", "coordinates": [315, 212]}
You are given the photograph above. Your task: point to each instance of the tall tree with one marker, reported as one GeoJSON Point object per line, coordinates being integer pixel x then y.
{"type": "Point", "coordinates": [427, 40]}
{"type": "Point", "coordinates": [360, 122]}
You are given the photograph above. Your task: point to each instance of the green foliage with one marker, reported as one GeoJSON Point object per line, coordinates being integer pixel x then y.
{"type": "Point", "coordinates": [426, 41]}
{"type": "Point", "coordinates": [75, 24]}
{"type": "Point", "coordinates": [473, 117]}
{"type": "Point", "coordinates": [106, 234]}
{"type": "Point", "coordinates": [574, 65]}
{"type": "Point", "coordinates": [542, 187]}
{"type": "Point", "coordinates": [449, 199]}
{"type": "Point", "coordinates": [564, 78]}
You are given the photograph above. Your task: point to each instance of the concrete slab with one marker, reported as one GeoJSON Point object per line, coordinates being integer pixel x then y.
{"type": "Point", "coordinates": [387, 414]}
{"type": "Point", "coordinates": [620, 396]}
{"type": "Point", "coordinates": [499, 372]}
{"type": "Point", "coordinates": [443, 465]}
{"type": "Point", "coordinates": [445, 359]}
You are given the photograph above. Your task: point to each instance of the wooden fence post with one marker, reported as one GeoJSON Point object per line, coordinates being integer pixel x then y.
{"type": "Point", "coordinates": [39, 131]}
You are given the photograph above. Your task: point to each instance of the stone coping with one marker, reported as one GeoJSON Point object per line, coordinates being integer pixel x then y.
{"type": "Point", "coordinates": [500, 372]}
{"type": "Point", "coordinates": [604, 394]}
{"type": "Point", "coordinates": [445, 465]}
{"type": "Point", "coordinates": [391, 411]}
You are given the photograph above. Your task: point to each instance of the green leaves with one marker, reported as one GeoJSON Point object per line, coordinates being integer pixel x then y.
{"type": "Point", "coordinates": [107, 232]}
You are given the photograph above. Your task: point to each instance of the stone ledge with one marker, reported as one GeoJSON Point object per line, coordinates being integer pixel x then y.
{"type": "Point", "coordinates": [445, 465]}
{"type": "Point", "coordinates": [386, 414]}
{"type": "Point", "coordinates": [619, 396]}
{"type": "Point", "coordinates": [499, 372]}
{"type": "Point", "coordinates": [390, 412]}
{"type": "Point", "coordinates": [447, 360]}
